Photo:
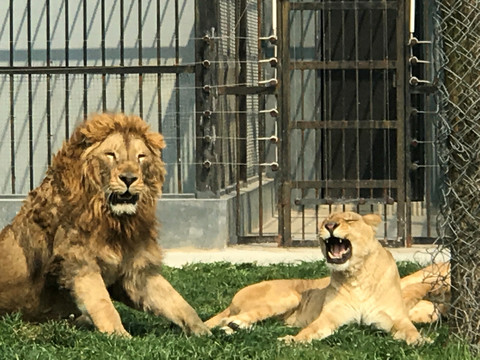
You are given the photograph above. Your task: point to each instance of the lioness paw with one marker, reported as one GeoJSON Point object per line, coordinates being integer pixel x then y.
{"type": "Point", "coordinates": [227, 330]}
{"type": "Point", "coordinates": [411, 337]}
{"type": "Point", "coordinates": [290, 340]}
{"type": "Point", "coordinates": [235, 325]}
{"type": "Point", "coordinates": [419, 341]}
{"type": "Point", "coordinates": [200, 330]}
{"type": "Point", "coordinates": [122, 333]}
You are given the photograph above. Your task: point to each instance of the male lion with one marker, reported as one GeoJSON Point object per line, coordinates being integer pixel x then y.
{"type": "Point", "coordinates": [88, 232]}
{"type": "Point", "coordinates": [299, 301]}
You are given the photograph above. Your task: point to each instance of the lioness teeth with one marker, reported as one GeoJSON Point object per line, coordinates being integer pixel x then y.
{"type": "Point", "coordinates": [334, 256]}
{"type": "Point", "coordinates": [338, 255]}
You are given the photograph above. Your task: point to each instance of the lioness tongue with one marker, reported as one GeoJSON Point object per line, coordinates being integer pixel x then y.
{"type": "Point", "coordinates": [338, 250]}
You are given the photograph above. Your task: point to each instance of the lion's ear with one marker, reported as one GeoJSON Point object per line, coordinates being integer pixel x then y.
{"type": "Point", "coordinates": [155, 140]}
{"type": "Point", "coordinates": [372, 219]}
{"type": "Point", "coordinates": [80, 138]}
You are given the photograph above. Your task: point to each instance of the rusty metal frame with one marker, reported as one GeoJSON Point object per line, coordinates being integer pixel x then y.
{"type": "Point", "coordinates": [398, 65]}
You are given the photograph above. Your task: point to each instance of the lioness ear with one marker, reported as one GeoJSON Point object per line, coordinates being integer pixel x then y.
{"type": "Point", "coordinates": [155, 140]}
{"type": "Point", "coordinates": [372, 219]}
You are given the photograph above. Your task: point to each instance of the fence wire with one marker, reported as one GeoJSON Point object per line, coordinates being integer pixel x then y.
{"type": "Point", "coordinates": [457, 45]}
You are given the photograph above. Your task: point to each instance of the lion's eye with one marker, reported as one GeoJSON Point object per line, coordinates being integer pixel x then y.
{"type": "Point", "coordinates": [110, 155]}
{"type": "Point", "coordinates": [141, 157]}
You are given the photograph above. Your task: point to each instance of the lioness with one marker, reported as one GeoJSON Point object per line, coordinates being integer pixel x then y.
{"type": "Point", "coordinates": [88, 233]}
{"type": "Point", "coordinates": [300, 301]}
{"type": "Point", "coordinates": [364, 285]}
{"type": "Point", "coordinates": [303, 297]}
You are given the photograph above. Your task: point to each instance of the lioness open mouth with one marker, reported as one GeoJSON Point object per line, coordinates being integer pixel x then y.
{"type": "Point", "coordinates": [338, 250]}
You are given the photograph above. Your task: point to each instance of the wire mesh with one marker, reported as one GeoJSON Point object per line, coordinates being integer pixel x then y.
{"type": "Point", "coordinates": [457, 45]}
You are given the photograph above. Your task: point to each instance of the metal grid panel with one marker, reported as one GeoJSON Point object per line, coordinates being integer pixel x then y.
{"type": "Point", "coordinates": [61, 60]}
{"type": "Point", "coordinates": [346, 111]}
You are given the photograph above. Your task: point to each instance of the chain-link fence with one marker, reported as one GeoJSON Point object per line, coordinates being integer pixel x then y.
{"type": "Point", "coordinates": [457, 42]}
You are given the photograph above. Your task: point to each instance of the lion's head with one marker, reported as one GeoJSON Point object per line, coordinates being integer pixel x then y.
{"type": "Point", "coordinates": [347, 238]}
{"type": "Point", "coordinates": [118, 161]}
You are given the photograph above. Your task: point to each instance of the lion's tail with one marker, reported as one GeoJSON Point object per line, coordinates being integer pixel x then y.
{"type": "Point", "coordinates": [217, 320]}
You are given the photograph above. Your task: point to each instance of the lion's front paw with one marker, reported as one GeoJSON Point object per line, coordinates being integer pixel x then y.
{"type": "Point", "coordinates": [235, 325]}
{"type": "Point", "coordinates": [412, 338]}
{"type": "Point", "coordinates": [289, 339]}
{"type": "Point", "coordinates": [200, 329]}
{"type": "Point", "coordinates": [419, 341]}
{"type": "Point", "coordinates": [298, 339]}
{"type": "Point", "coordinates": [123, 333]}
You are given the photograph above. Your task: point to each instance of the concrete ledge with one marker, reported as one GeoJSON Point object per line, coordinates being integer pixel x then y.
{"type": "Point", "coordinates": [198, 223]}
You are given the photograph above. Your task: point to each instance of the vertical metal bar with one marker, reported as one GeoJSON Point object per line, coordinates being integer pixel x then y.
{"type": "Point", "coordinates": [285, 225]}
{"type": "Point", "coordinates": [302, 112]}
{"type": "Point", "coordinates": [30, 93]}
{"type": "Point", "coordinates": [402, 57]}
{"type": "Point", "coordinates": [241, 53]}
{"type": "Point", "coordinates": [386, 133]}
{"type": "Point", "coordinates": [356, 39]}
{"type": "Point", "coordinates": [429, 154]}
{"type": "Point", "coordinates": [12, 101]}
{"type": "Point", "coordinates": [371, 86]}
{"type": "Point", "coordinates": [261, 124]}
{"type": "Point", "coordinates": [104, 77]}
{"type": "Point", "coordinates": [386, 115]}
{"type": "Point", "coordinates": [319, 107]}
{"type": "Point", "coordinates": [327, 154]}
{"type": "Point", "coordinates": [159, 75]}
{"type": "Point", "coordinates": [122, 55]}
{"type": "Point", "coordinates": [49, 89]}
{"type": "Point", "coordinates": [401, 96]}
{"type": "Point", "coordinates": [177, 101]}
{"type": "Point", "coordinates": [85, 55]}
{"type": "Point", "coordinates": [207, 18]}
{"type": "Point", "coordinates": [67, 82]}
{"type": "Point", "coordinates": [140, 57]}
{"type": "Point", "coordinates": [344, 106]}
{"type": "Point", "coordinates": [240, 104]}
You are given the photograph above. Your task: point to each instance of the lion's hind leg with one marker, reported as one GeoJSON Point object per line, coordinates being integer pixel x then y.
{"type": "Point", "coordinates": [308, 310]}
{"type": "Point", "coordinates": [219, 319]}
{"type": "Point", "coordinates": [247, 317]}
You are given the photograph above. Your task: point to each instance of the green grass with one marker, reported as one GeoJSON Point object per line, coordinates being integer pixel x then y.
{"type": "Point", "coordinates": [209, 288]}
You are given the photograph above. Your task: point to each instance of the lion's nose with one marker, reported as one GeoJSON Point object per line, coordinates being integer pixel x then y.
{"type": "Point", "coordinates": [330, 226]}
{"type": "Point", "coordinates": [128, 178]}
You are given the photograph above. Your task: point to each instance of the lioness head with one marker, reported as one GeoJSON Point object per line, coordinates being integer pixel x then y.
{"type": "Point", "coordinates": [347, 238]}
{"type": "Point", "coordinates": [122, 161]}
